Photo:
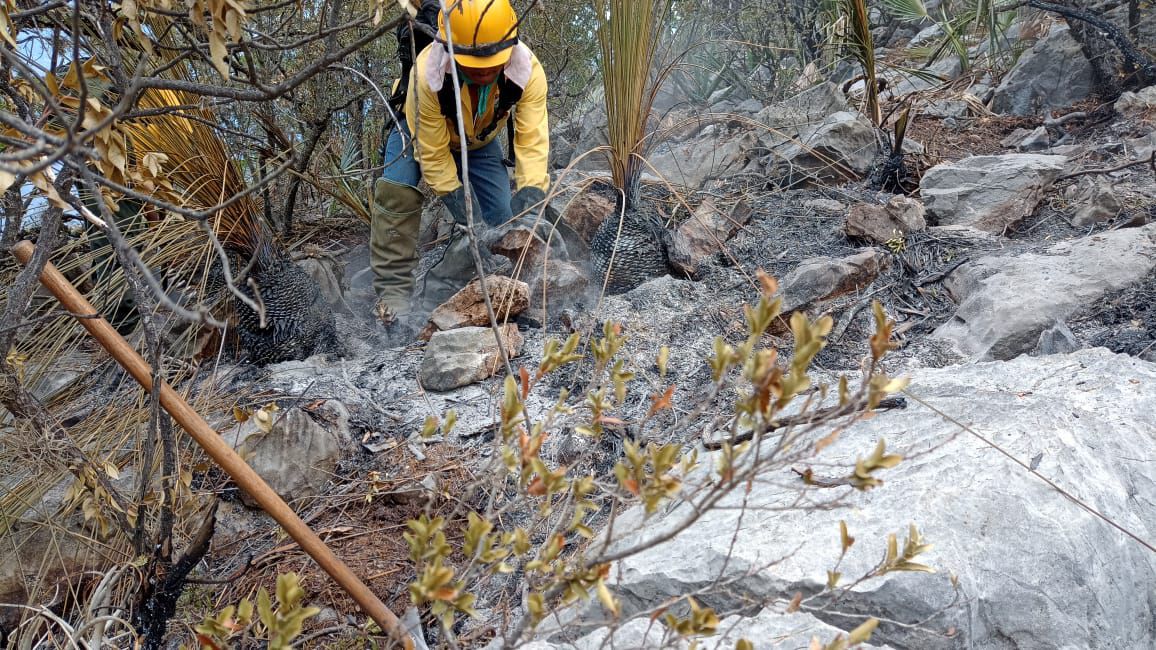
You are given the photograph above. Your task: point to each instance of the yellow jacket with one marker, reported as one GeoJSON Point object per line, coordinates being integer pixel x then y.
{"type": "Point", "coordinates": [435, 135]}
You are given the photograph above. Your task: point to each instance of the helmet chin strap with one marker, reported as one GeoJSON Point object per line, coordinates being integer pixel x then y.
{"type": "Point", "coordinates": [489, 49]}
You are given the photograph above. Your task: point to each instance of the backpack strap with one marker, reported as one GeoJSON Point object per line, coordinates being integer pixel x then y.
{"type": "Point", "coordinates": [509, 93]}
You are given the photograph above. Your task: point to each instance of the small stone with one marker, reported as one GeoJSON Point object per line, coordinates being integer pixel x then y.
{"type": "Point", "coordinates": [463, 356]}
{"type": "Point", "coordinates": [1138, 106]}
{"type": "Point", "coordinates": [1013, 139]}
{"type": "Point", "coordinates": [824, 205]}
{"type": "Point", "coordinates": [467, 307]}
{"type": "Point", "coordinates": [1058, 339]}
{"type": "Point", "coordinates": [1037, 140]}
{"type": "Point", "coordinates": [882, 223]}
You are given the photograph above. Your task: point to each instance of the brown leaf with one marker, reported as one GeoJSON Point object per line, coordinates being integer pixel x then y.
{"type": "Point", "coordinates": [660, 402]}
{"type": "Point", "coordinates": [795, 602]}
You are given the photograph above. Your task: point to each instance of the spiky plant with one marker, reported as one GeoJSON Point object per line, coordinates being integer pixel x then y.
{"type": "Point", "coordinates": [629, 32]}
{"type": "Point", "coordinates": [851, 32]}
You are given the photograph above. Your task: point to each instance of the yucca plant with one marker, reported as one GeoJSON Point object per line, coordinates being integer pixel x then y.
{"type": "Point", "coordinates": [629, 32]}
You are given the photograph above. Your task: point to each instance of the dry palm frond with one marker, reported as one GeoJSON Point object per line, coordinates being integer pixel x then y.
{"type": "Point", "coordinates": [199, 171]}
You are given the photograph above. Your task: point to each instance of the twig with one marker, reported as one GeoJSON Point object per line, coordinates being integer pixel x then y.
{"type": "Point", "coordinates": [1151, 160]}
{"type": "Point", "coordinates": [939, 275]}
{"type": "Point", "coordinates": [810, 417]}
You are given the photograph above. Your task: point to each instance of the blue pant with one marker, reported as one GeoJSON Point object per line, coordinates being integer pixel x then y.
{"type": "Point", "coordinates": [489, 179]}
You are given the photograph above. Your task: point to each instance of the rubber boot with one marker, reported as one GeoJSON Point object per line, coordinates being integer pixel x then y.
{"type": "Point", "coordinates": [448, 275]}
{"type": "Point", "coordinates": [394, 224]}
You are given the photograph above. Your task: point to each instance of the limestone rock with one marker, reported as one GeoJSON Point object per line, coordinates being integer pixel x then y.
{"type": "Point", "coordinates": [586, 212]}
{"type": "Point", "coordinates": [460, 357]}
{"type": "Point", "coordinates": [1037, 139]}
{"type": "Point", "coordinates": [1139, 106]}
{"type": "Point", "coordinates": [810, 106]}
{"type": "Point", "coordinates": [1095, 201]}
{"type": "Point", "coordinates": [564, 282]}
{"type": "Point", "coordinates": [840, 148]}
{"type": "Point", "coordinates": [1057, 339]}
{"type": "Point", "coordinates": [715, 154]}
{"type": "Point", "coordinates": [880, 223]}
{"type": "Point", "coordinates": [1053, 73]}
{"type": "Point", "coordinates": [823, 278]}
{"type": "Point", "coordinates": [467, 307]}
{"type": "Point", "coordinates": [824, 205]}
{"type": "Point", "coordinates": [327, 274]}
{"type": "Point", "coordinates": [706, 233]}
{"type": "Point", "coordinates": [1143, 147]}
{"type": "Point", "coordinates": [1005, 303]}
{"type": "Point", "coordinates": [768, 630]}
{"type": "Point", "coordinates": [295, 455]}
{"type": "Point", "coordinates": [1029, 561]}
{"type": "Point", "coordinates": [988, 192]}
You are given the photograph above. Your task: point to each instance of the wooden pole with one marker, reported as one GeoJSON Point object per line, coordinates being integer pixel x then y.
{"type": "Point", "coordinates": [218, 450]}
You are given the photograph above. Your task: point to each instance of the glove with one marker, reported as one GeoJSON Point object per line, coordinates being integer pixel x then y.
{"type": "Point", "coordinates": [526, 198]}
{"type": "Point", "coordinates": [456, 203]}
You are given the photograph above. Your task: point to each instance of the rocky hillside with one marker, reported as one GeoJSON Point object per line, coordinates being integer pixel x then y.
{"type": "Point", "coordinates": [1020, 272]}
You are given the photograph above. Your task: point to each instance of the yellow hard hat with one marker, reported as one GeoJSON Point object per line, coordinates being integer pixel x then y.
{"type": "Point", "coordinates": [484, 32]}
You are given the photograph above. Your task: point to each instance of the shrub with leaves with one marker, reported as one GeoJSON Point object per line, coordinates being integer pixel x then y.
{"type": "Point", "coordinates": [277, 624]}
{"type": "Point", "coordinates": [540, 517]}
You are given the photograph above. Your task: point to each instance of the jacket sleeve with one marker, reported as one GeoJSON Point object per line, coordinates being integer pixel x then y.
{"type": "Point", "coordinates": [532, 134]}
{"type": "Point", "coordinates": [433, 138]}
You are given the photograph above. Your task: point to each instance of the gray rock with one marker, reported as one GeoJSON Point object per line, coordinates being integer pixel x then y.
{"type": "Point", "coordinates": [1057, 339]}
{"type": "Point", "coordinates": [1053, 73]}
{"type": "Point", "coordinates": [1038, 140]}
{"type": "Point", "coordinates": [1095, 200]}
{"type": "Point", "coordinates": [564, 282]}
{"type": "Point", "coordinates": [460, 357]}
{"type": "Point", "coordinates": [822, 278]}
{"type": "Point", "coordinates": [768, 630]}
{"type": "Point", "coordinates": [327, 274]}
{"type": "Point", "coordinates": [749, 106]}
{"type": "Point", "coordinates": [824, 205]}
{"type": "Point", "coordinates": [1006, 302]}
{"type": "Point", "coordinates": [693, 162]}
{"type": "Point", "coordinates": [842, 147]}
{"type": "Point", "coordinates": [1142, 147]}
{"type": "Point", "coordinates": [1012, 140]}
{"type": "Point", "coordinates": [1137, 105]}
{"type": "Point", "coordinates": [988, 192]}
{"type": "Point", "coordinates": [1028, 560]}
{"type": "Point", "coordinates": [811, 106]}
{"type": "Point", "coordinates": [776, 631]}
{"type": "Point", "coordinates": [946, 108]}
{"type": "Point", "coordinates": [926, 35]}
{"type": "Point", "coordinates": [292, 453]}
{"type": "Point", "coordinates": [881, 223]}
{"type": "Point", "coordinates": [561, 151]}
